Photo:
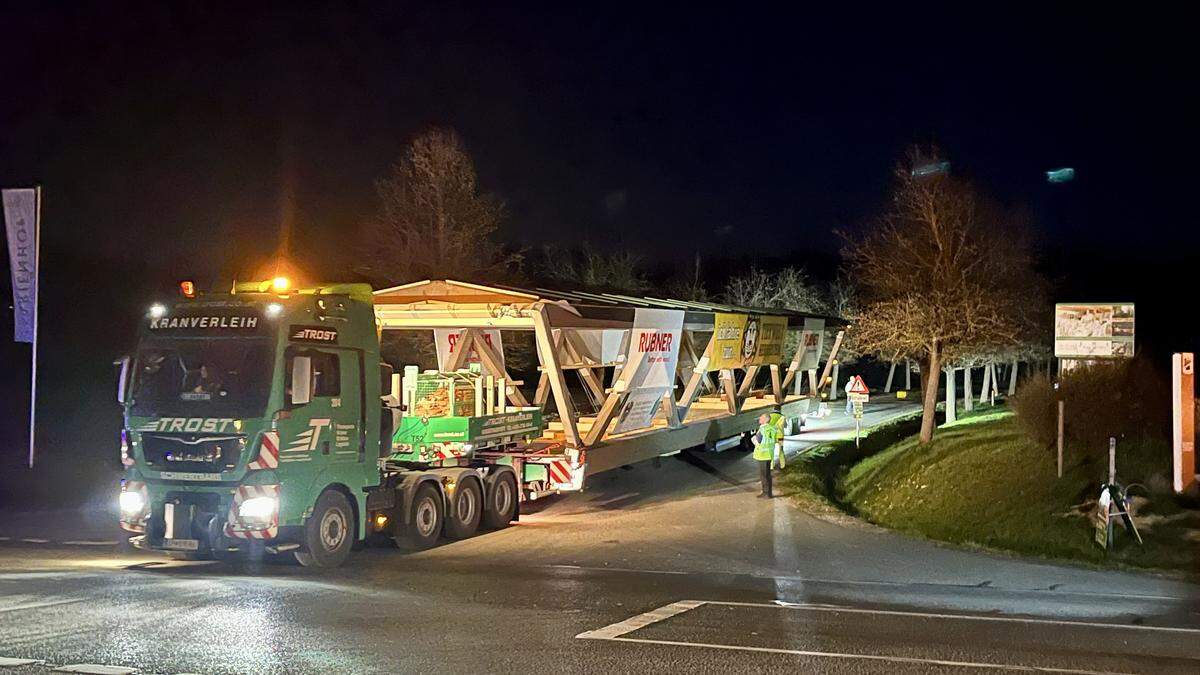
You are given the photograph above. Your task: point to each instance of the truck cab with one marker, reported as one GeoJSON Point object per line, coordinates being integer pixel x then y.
{"type": "Point", "coordinates": [252, 422]}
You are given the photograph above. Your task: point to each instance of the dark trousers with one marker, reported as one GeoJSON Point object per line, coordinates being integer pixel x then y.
{"type": "Point", "coordinates": [764, 473]}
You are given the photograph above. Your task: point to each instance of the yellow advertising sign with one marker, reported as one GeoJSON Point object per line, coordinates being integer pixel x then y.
{"type": "Point", "coordinates": [740, 340]}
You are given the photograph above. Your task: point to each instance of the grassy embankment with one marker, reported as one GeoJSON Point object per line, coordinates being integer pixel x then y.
{"type": "Point", "coordinates": [982, 483]}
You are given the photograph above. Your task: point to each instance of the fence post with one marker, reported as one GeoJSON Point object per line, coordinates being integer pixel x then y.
{"type": "Point", "coordinates": [1060, 438]}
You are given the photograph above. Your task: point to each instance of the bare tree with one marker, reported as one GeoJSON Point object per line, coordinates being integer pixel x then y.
{"type": "Point", "coordinates": [690, 287]}
{"type": "Point", "coordinates": [433, 221]}
{"type": "Point", "coordinates": [939, 276]}
{"type": "Point", "coordinates": [790, 288]}
{"type": "Point", "coordinates": [588, 268]}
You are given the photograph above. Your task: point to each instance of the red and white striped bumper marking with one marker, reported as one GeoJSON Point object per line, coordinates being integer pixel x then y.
{"type": "Point", "coordinates": [268, 452]}
{"type": "Point", "coordinates": [234, 527]}
{"type": "Point", "coordinates": [560, 471]}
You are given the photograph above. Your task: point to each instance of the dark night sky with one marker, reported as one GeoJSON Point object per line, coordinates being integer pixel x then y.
{"type": "Point", "coordinates": [177, 141]}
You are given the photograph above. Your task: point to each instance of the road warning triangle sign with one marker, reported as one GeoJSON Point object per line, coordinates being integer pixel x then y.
{"type": "Point", "coordinates": [857, 386]}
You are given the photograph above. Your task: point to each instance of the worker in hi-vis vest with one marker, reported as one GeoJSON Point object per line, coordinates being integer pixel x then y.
{"type": "Point", "coordinates": [777, 421]}
{"type": "Point", "coordinates": [764, 449]}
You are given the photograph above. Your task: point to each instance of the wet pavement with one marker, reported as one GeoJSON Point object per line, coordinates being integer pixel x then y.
{"type": "Point", "coordinates": [675, 567]}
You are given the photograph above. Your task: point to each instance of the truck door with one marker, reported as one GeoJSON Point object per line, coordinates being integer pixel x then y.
{"type": "Point", "coordinates": [309, 433]}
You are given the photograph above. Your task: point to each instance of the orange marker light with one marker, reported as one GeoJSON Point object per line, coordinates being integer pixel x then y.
{"type": "Point", "coordinates": [280, 284]}
{"type": "Point", "coordinates": [188, 289]}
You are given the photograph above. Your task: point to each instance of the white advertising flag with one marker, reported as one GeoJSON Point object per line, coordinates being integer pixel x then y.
{"type": "Point", "coordinates": [20, 217]}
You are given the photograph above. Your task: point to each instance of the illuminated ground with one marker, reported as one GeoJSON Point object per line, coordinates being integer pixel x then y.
{"type": "Point", "coordinates": [856, 599]}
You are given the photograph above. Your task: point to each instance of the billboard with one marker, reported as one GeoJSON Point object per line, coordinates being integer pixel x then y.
{"type": "Point", "coordinates": [741, 340]}
{"type": "Point", "coordinates": [1093, 330]}
{"type": "Point", "coordinates": [812, 340]}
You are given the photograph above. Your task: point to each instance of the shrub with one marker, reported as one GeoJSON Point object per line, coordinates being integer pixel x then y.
{"type": "Point", "coordinates": [1123, 399]}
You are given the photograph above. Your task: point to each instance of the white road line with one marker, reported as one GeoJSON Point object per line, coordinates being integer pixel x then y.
{"type": "Point", "coordinates": [37, 605]}
{"type": "Point", "coordinates": [871, 657]}
{"type": "Point", "coordinates": [631, 624]}
{"type": "Point", "coordinates": [36, 541]}
{"type": "Point", "coordinates": [95, 669]}
{"type": "Point", "coordinates": [11, 662]}
{"type": "Point", "coordinates": [963, 617]}
{"type": "Point", "coordinates": [91, 543]}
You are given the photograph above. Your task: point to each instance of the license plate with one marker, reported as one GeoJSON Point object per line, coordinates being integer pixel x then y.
{"type": "Point", "coordinates": [182, 544]}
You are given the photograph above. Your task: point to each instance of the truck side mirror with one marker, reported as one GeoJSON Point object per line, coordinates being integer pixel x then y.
{"type": "Point", "coordinates": [123, 379]}
{"type": "Point", "coordinates": [301, 380]}
{"type": "Point", "coordinates": [385, 379]}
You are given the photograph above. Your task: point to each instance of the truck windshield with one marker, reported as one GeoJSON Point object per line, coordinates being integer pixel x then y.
{"type": "Point", "coordinates": [202, 378]}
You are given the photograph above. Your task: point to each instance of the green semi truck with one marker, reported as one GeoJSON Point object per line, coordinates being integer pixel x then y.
{"type": "Point", "coordinates": [264, 420]}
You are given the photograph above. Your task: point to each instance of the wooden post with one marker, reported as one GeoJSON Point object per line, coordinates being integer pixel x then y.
{"type": "Point", "coordinates": [558, 383]}
{"type": "Point", "coordinates": [951, 397]}
{"type": "Point", "coordinates": [986, 391]}
{"type": "Point", "coordinates": [833, 386]}
{"type": "Point", "coordinates": [729, 390]}
{"type": "Point", "coordinates": [462, 347]}
{"type": "Point", "coordinates": [1012, 378]}
{"type": "Point", "coordinates": [619, 389]}
{"type": "Point", "coordinates": [777, 384]}
{"type": "Point", "coordinates": [829, 363]}
{"type": "Point", "coordinates": [495, 365]}
{"type": "Point", "coordinates": [1060, 437]}
{"type": "Point", "coordinates": [968, 393]}
{"type": "Point", "coordinates": [995, 383]}
{"type": "Point", "coordinates": [907, 375]}
{"type": "Point", "coordinates": [748, 381]}
{"type": "Point", "coordinates": [887, 387]}
{"type": "Point", "coordinates": [814, 387]}
{"type": "Point", "coordinates": [692, 390]}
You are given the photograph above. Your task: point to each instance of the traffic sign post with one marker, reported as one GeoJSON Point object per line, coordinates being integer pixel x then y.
{"type": "Point", "coordinates": [858, 394]}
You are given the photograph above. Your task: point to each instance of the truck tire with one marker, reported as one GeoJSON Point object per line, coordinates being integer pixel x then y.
{"type": "Point", "coordinates": [500, 506]}
{"type": "Point", "coordinates": [329, 532]}
{"type": "Point", "coordinates": [462, 519]}
{"type": "Point", "coordinates": [425, 516]}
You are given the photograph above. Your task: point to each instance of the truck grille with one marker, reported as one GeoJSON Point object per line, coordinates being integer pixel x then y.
{"type": "Point", "coordinates": [192, 453]}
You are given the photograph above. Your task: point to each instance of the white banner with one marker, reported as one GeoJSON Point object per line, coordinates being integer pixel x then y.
{"type": "Point", "coordinates": [603, 345]}
{"type": "Point", "coordinates": [639, 409]}
{"type": "Point", "coordinates": [20, 216]}
{"type": "Point", "coordinates": [447, 339]}
{"type": "Point", "coordinates": [812, 339]}
{"type": "Point", "coordinates": [654, 345]}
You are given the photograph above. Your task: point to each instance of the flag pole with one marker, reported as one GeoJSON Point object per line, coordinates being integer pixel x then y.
{"type": "Point", "coordinates": [37, 264]}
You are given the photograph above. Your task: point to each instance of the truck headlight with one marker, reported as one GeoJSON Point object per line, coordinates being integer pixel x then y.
{"type": "Point", "coordinates": [258, 510]}
{"type": "Point", "coordinates": [132, 504]}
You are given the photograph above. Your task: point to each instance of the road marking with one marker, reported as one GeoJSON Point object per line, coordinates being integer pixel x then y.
{"type": "Point", "coordinates": [95, 669]}
{"type": "Point", "coordinates": [91, 543]}
{"type": "Point", "coordinates": [616, 632]}
{"type": "Point", "coordinates": [873, 657]}
{"type": "Point", "coordinates": [36, 541]}
{"type": "Point", "coordinates": [38, 605]}
{"type": "Point", "coordinates": [633, 623]}
{"type": "Point", "coordinates": [10, 662]}
{"type": "Point", "coordinates": [616, 499]}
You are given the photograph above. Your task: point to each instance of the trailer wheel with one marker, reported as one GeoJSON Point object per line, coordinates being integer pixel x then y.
{"type": "Point", "coordinates": [329, 532]}
{"type": "Point", "coordinates": [501, 505]}
{"type": "Point", "coordinates": [463, 520]}
{"type": "Point", "coordinates": [424, 520]}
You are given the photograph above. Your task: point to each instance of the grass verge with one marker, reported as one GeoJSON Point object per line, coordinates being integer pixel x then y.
{"type": "Point", "coordinates": [982, 483]}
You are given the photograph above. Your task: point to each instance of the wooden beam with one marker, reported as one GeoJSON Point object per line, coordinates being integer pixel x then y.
{"type": "Point", "coordinates": [777, 384]}
{"type": "Point", "coordinates": [837, 345]}
{"type": "Point", "coordinates": [748, 381]}
{"type": "Point", "coordinates": [729, 391]}
{"type": "Point", "coordinates": [558, 383]}
{"type": "Point", "coordinates": [569, 341]}
{"type": "Point", "coordinates": [699, 374]}
{"type": "Point", "coordinates": [612, 402]}
{"type": "Point", "coordinates": [462, 347]}
{"type": "Point", "coordinates": [794, 366]}
{"type": "Point", "coordinates": [495, 365]}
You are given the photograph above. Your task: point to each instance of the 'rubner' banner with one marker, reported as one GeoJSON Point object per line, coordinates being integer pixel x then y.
{"type": "Point", "coordinates": [206, 324]}
{"type": "Point", "coordinates": [20, 217]}
{"type": "Point", "coordinates": [654, 351]}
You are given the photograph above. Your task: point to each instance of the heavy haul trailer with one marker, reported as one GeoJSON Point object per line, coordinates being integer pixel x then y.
{"type": "Point", "coordinates": [264, 419]}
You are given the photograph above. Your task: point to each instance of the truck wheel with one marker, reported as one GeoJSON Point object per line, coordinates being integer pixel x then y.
{"type": "Point", "coordinates": [329, 532]}
{"type": "Point", "coordinates": [463, 519]}
{"type": "Point", "coordinates": [424, 520]}
{"type": "Point", "coordinates": [501, 505]}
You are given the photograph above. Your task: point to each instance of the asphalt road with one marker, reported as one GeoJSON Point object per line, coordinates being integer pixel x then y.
{"type": "Point", "coordinates": [670, 568]}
